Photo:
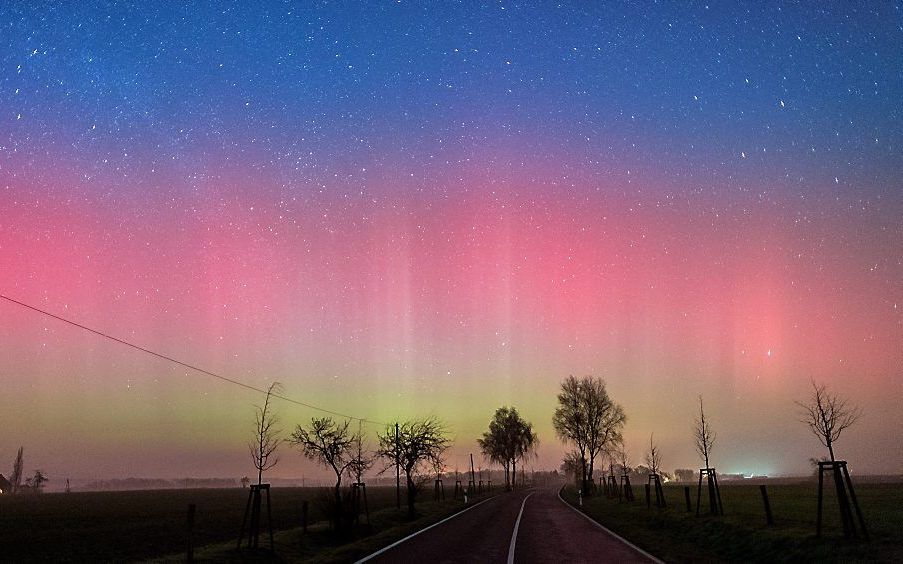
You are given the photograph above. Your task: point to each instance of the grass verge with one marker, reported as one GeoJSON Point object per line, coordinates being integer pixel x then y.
{"type": "Point", "coordinates": [674, 535]}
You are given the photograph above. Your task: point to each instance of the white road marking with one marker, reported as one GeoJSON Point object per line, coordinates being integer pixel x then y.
{"type": "Point", "coordinates": [514, 534]}
{"type": "Point", "coordinates": [412, 535]}
{"type": "Point", "coordinates": [610, 532]}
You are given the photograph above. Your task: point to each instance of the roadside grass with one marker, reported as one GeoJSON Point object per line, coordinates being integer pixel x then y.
{"type": "Point", "coordinates": [320, 544]}
{"type": "Point", "coordinates": [141, 525]}
{"type": "Point", "coordinates": [674, 535]}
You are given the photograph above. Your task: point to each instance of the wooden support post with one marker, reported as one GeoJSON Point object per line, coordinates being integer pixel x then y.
{"type": "Point", "coordinates": [397, 471]}
{"type": "Point", "coordinates": [687, 498]}
{"type": "Point", "coordinates": [305, 507]}
{"type": "Point", "coordinates": [189, 532]}
{"type": "Point", "coordinates": [270, 519]}
{"type": "Point", "coordinates": [821, 483]}
{"type": "Point", "coordinates": [648, 500]}
{"type": "Point", "coordinates": [849, 482]}
{"type": "Point", "coordinates": [769, 520]}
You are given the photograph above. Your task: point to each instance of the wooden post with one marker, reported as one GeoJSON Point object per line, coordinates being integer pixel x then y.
{"type": "Point", "coordinates": [304, 509]}
{"type": "Point", "coordinates": [849, 482]}
{"type": "Point", "coordinates": [189, 530]}
{"type": "Point", "coordinates": [821, 483]}
{"type": "Point", "coordinates": [270, 519]}
{"type": "Point", "coordinates": [648, 501]}
{"type": "Point", "coordinates": [769, 520]}
{"type": "Point", "coordinates": [687, 497]}
{"type": "Point", "coordinates": [397, 471]}
{"type": "Point", "coordinates": [244, 520]}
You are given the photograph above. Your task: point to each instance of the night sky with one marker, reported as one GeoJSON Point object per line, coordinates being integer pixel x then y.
{"type": "Point", "coordinates": [410, 209]}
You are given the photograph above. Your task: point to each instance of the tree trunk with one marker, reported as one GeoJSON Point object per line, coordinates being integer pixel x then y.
{"type": "Point", "coordinates": [507, 475]}
{"type": "Point", "coordinates": [514, 472]}
{"type": "Point", "coordinates": [338, 505]}
{"type": "Point", "coordinates": [411, 494]}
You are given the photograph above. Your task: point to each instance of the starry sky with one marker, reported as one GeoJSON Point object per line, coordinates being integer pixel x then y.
{"type": "Point", "coordinates": [406, 209]}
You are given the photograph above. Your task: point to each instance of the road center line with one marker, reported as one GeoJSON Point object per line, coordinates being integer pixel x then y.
{"type": "Point", "coordinates": [514, 534]}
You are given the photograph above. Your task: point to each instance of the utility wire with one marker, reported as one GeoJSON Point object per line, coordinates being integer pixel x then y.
{"type": "Point", "coordinates": [190, 366]}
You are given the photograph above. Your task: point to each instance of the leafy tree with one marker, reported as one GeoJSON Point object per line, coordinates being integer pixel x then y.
{"type": "Point", "coordinates": [419, 444]}
{"type": "Point", "coordinates": [684, 474]}
{"type": "Point", "coordinates": [510, 438]}
{"type": "Point", "coordinates": [588, 418]}
{"type": "Point", "coordinates": [704, 435]}
{"type": "Point", "coordinates": [827, 415]}
{"type": "Point", "coordinates": [266, 438]}
{"type": "Point", "coordinates": [329, 443]}
{"type": "Point", "coordinates": [15, 479]}
{"type": "Point", "coordinates": [570, 465]}
{"type": "Point", "coordinates": [37, 481]}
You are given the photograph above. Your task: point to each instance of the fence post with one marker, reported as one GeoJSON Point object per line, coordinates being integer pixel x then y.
{"type": "Point", "coordinates": [769, 520]}
{"type": "Point", "coordinates": [189, 528]}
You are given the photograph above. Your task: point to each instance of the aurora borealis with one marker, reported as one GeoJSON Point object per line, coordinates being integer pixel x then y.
{"type": "Point", "coordinates": [439, 208]}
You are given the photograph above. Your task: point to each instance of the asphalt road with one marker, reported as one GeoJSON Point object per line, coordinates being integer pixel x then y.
{"type": "Point", "coordinates": [548, 530]}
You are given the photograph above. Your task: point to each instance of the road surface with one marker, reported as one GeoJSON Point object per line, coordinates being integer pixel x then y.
{"type": "Point", "coordinates": [528, 526]}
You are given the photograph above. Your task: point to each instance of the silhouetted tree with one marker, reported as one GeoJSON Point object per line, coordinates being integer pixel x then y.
{"type": "Point", "coordinates": [510, 438]}
{"type": "Point", "coordinates": [588, 418]}
{"type": "Point", "coordinates": [684, 474]}
{"type": "Point", "coordinates": [623, 458]}
{"type": "Point", "coordinates": [703, 435]}
{"type": "Point", "coordinates": [245, 481]}
{"type": "Point", "coordinates": [36, 482]}
{"type": "Point", "coordinates": [653, 457]}
{"type": "Point", "coordinates": [329, 443]}
{"type": "Point", "coordinates": [570, 466]}
{"type": "Point", "coordinates": [361, 459]}
{"type": "Point", "coordinates": [15, 479]}
{"type": "Point", "coordinates": [420, 443]}
{"type": "Point", "coordinates": [266, 438]}
{"type": "Point", "coordinates": [827, 415]}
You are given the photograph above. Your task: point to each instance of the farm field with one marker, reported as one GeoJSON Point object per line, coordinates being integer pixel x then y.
{"type": "Point", "coordinates": [741, 534]}
{"type": "Point", "coordinates": [137, 525]}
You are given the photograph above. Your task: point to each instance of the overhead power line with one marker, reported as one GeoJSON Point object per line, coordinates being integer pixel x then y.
{"type": "Point", "coordinates": [187, 365]}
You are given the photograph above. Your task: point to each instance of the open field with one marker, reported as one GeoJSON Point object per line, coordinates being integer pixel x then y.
{"type": "Point", "coordinates": [742, 535]}
{"type": "Point", "coordinates": [148, 524]}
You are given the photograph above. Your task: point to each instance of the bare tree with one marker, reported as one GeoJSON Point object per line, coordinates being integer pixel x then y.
{"type": "Point", "coordinates": [623, 458]}
{"type": "Point", "coordinates": [15, 479]}
{"type": "Point", "coordinates": [331, 444]}
{"type": "Point", "coordinates": [827, 415]}
{"type": "Point", "coordinates": [361, 459]}
{"type": "Point", "coordinates": [653, 457]}
{"type": "Point", "coordinates": [419, 444]}
{"type": "Point", "coordinates": [704, 435]}
{"type": "Point", "coordinates": [587, 417]}
{"type": "Point", "coordinates": [266, 438]}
